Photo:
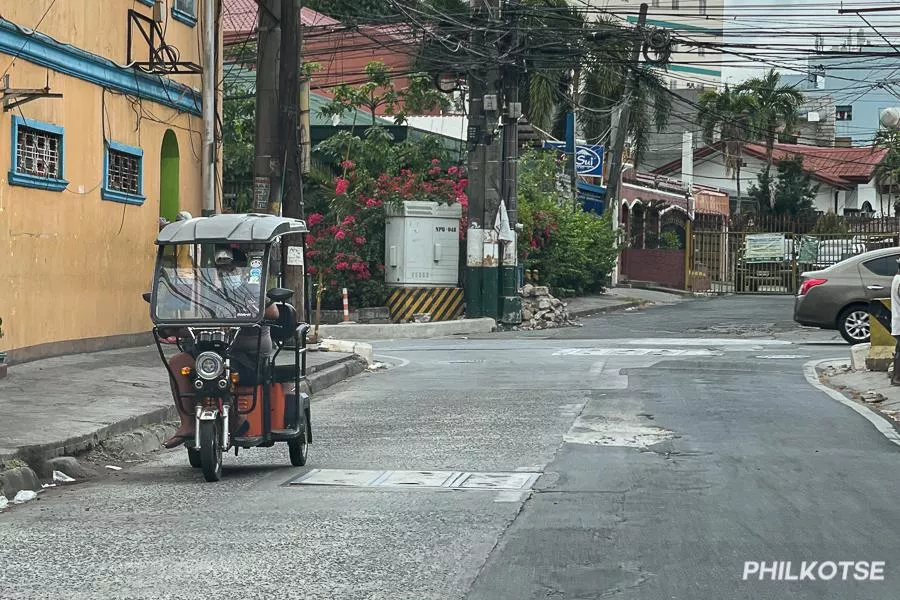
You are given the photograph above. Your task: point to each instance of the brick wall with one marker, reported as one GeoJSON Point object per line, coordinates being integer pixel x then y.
{"type": "Point", "coordinates": [662, 266]}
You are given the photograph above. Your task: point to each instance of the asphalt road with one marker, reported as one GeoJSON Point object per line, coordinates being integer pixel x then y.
{"type": "Point", "coordinates": [646, 455]}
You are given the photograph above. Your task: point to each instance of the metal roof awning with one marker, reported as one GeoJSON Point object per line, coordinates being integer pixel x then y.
{"type": "Point", "coordinates": [225, 228]}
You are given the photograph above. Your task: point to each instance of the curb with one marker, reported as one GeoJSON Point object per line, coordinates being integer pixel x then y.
{"type": "Point", "coordinates": [886, 426]}
{"type": "Point", "coordinates": [141, 433]}
{"type": "Point", "coordinates": [408, 330]}
{"type": "Point", "coordinates": [587, 312]}
{"type": "Point", "coordinates": [675, 292]}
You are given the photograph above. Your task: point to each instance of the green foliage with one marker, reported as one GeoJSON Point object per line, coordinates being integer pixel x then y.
{"type": "Point", "coordinates": [669, 239]}
{"type": "Point", "coordinates": [571, 248]}
{"type": "Point", "coordinates": [379, 92]}
{"type": "Point", "coordinates": [238, 124]}
{"type": "Point", "coordinates": [794, 192]}
{"type": "Point", "coordinates": [830, 223]}
{"type": "Point", "coordinates": [772, 105]}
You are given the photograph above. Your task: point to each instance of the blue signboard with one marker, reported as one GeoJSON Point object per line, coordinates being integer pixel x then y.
{"type": "Point", "coordinates": [588, 159]}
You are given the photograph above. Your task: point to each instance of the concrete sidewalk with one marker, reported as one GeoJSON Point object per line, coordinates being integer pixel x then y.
{"type": "Point", "coordinates": [615, 299]}
{"type": "Point", "coordinates": [68, 405]}
{"type": "Point", "coordinates": [870, 388]}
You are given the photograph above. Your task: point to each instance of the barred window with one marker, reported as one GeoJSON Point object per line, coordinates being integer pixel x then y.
{"type": "Point", "coordinates": [124, 172]}
{"type": "Point", "coordinates": [38, 153]}
{"type": "Point", "coordinates": [187, 6]}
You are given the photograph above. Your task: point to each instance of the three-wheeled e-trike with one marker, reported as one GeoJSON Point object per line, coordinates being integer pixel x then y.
{"type": "Point", "coordinates": [214, 285]}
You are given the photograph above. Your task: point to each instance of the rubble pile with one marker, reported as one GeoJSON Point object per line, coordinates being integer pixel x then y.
{"type": "Point", "coordinates": [540, 310]}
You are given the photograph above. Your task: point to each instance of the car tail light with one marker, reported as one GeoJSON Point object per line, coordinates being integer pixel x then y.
{"type": "Point", "coordinates": [810, 284]}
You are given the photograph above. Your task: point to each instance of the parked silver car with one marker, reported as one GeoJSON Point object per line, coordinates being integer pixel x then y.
{"type": "Point", "coordinates": [837, 297]}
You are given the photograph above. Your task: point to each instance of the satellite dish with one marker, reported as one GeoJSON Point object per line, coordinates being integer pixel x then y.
{"type": "Point", "coordinates": [890, 118]}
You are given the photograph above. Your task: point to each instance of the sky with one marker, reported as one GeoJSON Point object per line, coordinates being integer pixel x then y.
{"type": "Point", "coordinates": [784, 30]}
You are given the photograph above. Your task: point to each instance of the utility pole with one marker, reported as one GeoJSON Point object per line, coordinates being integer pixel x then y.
{"type": "Point", "coordinates": [289, 147]}
{"type": "Point", "coordinates": [476, 170]}
{"type": "Point", "coordinates": [267, 165]}
{"type": "Point", "coordinates": [620, 132]}
{"type": "Point", "coordinates": [210, 62]}
{"type": "Point", "coordinates": [510, 301]}
{"type": "Point", "coordinates": [614, 182]}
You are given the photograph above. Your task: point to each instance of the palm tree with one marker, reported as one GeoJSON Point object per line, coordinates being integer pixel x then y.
{"type": "Point", "coordinates": [730, 112]}
{"type": "Point", "coordinates": [773, 105]}
{"type": "Point", "coordinates": [587, 77]}
{"type": "Point", "coordinates": [888, 170]}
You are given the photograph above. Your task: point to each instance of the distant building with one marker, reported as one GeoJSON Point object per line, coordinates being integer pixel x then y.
{"type": "Point", "coordinates": [859, 85]}
{"type": "Point", "coordinates": [699, 22]}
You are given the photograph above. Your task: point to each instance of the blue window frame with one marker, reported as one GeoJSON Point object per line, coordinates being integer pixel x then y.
{"type": "Point", "coordinates": [185, 11]}
{"type": "Point", "coordinates": [147, 2]}
{"type": "Point", "coordinates": [123, 174]}
{"type": "Point", "coordinates": [38, 155]}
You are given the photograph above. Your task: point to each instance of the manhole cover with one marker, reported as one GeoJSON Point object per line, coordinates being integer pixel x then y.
{"type": "Point", "coordinates": [459, 480]}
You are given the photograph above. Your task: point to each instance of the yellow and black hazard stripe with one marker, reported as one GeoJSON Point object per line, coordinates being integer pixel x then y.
{"type": "Point", "coordinates": [444, 304]}
{"type": "Point", "coordinates": [880, 322]}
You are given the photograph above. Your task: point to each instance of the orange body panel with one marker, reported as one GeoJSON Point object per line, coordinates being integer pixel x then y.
{"type": "Point", "coordinates": [255, 417]}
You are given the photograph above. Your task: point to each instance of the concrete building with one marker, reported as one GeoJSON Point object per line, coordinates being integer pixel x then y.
{"type": "Point", "coordinates": [860, 85]}
{"type": "Point", "coordinates": [694, 22]}
{"type": "Point", "coordinates": [86, 176]}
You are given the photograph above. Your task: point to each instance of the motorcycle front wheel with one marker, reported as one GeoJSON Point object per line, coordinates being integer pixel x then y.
{"type": "Point", "coordinates": [210, 450]}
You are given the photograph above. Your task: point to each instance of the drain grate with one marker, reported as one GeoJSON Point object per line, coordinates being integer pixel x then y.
{"type": "Point", "coordinates": [454, 480]}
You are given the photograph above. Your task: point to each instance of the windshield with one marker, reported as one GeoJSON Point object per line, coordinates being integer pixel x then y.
{"type": "Point", "coordinates": [209, 283]}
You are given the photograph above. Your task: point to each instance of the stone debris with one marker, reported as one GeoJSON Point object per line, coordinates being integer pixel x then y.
{"type": "Point", "coordinates": [872, 397]}
{"type": "Point", "coordinates": [61, 477]}
{"type": "Point", "coordinates": [540, 310]}
{"type": "Point", "coordinates": [24, 496]}
{"type": "Point", "coordinates": [3, 503]}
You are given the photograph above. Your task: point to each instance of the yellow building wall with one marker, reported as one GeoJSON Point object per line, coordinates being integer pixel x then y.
{"type": "Point", "coordinates": [73, 265]}
{"type": "Point", "coordinates": [101, 27]}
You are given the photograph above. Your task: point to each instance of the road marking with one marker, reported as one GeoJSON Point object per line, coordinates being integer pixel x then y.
{"type": "Point", "coordinates": [636, 352]}
{"type": "Point", "coordinates": [881, 424]}
{"type": "Point", "coordinates": [702, 342]}
{"type": "Point", "coordinates": [781, 356]}
{"type": "Point", "coordinates": [456, 480]}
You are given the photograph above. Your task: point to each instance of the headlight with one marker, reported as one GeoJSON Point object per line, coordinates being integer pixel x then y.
{"type": "Point", "coordinates": [209, 365]}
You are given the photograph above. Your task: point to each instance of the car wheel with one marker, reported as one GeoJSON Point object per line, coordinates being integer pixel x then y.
{"type": "Point", "coordinates": [853, 323]}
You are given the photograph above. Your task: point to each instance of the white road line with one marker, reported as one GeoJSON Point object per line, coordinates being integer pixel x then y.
{"type": "Point", "coordinates": [881, 424]}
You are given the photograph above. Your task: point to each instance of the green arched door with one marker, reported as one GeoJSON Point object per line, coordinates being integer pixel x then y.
{"type": "Point", "coordinates": [169, 203]}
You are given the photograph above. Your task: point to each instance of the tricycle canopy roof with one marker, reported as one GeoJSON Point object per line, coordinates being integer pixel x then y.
{"type": "Point", "coordinates": [235, 228]}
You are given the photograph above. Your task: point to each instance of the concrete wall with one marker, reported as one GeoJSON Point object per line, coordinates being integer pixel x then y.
{"type": "Point", "coordinates": [75, 264]}
{"type": "Point", "coordinates": [662, 266]}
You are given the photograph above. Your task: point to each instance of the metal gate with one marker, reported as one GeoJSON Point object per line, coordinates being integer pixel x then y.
{"type": "Point", "coordinates": [770, 263]}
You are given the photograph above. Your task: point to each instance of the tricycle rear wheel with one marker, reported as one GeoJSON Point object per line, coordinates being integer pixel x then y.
{"type": "Point", "coordinates": [298, 447]}
{"type": "Point", "coordinates": [210, 450]}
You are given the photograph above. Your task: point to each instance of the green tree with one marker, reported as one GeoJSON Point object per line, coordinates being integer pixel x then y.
{"type": "Point", "coordinates": [773, 106]}
{"type": "Point", "coordinates": [793, 192]}
{"type": "Point", "coordinates": [730, 114]}
{"type": "Point", "coordinates": [887, 173]}
{"type": "Point", "coordinates": [380, 92]}
{"type": "Point", "coordinates": [830, 223]}
{"type": "Point", "coordinates": [238, 127]}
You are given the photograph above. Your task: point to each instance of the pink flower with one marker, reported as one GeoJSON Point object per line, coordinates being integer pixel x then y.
{"type": "Point", "coordinates": [314, 219]}
{"type": "Point", "coordinates": [347, 164]}
{"type": "Point", "coordinates": [342, 266]}
{"type": "Point", "coordinates": [359, 240]}
{"type": "Point", "coordinates": [435, 161]}
{"type": "Point", "coordinates": [312, 270]}
{"type": "Point", "coordinates": [340, 235]}
{"type": "Point", "coordinates": [341, 186]}
{"type": "Point", "coordinates": [349, 220]}
{"type": "Point", "coordinates": [434, 170]}
{"type": "Point", "coordinates": [452, 170]}
{"type": "Point", "coordinates": [371, 203]}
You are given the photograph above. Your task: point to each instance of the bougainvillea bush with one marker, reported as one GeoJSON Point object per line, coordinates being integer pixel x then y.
{"type": "Point", "coordinates": [345, 246]}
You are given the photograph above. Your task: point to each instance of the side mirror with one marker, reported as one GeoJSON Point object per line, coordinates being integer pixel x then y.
{"type": "Point", "coordinates": [279, 294]}
{"type": "Point", "coordinates": [146, 296]}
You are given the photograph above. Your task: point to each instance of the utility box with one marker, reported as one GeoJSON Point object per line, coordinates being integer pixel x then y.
{"type": "Point", "coordinates": [422, 245]}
